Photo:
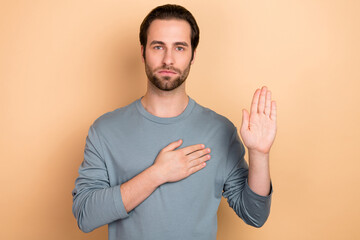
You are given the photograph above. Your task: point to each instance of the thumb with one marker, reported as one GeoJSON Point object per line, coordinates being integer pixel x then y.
{"type": "Point", "coordinates": [245, 120]}
{"type": "Point", "coordinates": [172, 146]}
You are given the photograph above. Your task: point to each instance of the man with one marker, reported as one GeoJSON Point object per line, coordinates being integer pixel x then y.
{"type": "Point", "coordinates": [157, 168]}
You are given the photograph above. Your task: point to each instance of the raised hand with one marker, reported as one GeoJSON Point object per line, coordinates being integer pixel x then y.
{"type": "Point", "coordinates": [174, 165]}
{"type": "Point", "coordinates": [258, 129]}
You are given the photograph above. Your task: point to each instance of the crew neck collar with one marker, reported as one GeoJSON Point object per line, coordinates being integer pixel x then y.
{"type": "Point", "coordinates": [183, 115]}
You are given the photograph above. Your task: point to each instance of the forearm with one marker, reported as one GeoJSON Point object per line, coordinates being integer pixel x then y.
{"type": "Point", "coordinates": [259, 173]}
{"type": "Point", "coordinates": [250, 206]}
{"type": "Point", "coordinates": [137, 189]}
{"type": "Point", "coordinates": [95, 206]}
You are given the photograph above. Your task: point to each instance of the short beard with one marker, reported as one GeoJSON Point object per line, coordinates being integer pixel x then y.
{"type": "Point", "coordinates": [165, 84]}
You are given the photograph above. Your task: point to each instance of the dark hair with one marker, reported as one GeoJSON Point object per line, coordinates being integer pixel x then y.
{"type": "Point", "coordinates": [170, 11]}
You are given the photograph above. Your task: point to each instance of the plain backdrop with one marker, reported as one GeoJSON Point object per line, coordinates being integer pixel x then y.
{"type": "Point", "coordinates": [64, 63]}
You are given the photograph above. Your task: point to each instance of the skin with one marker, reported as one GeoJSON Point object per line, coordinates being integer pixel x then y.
{"type": "Point", "coordinates": [170, 32]}
{"type": "Point", "coordinates": [258, 130]}
{"type": "Point", "coordinates": [168, 58]}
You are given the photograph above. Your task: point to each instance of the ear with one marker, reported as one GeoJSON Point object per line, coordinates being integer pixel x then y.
{"type": "Point", "coordinates": [142, 54]}
{"type": "Point", "coordinates": [192, 61]}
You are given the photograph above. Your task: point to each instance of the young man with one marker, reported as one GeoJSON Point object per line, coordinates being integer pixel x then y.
{"type": "Point", "coordinates": [157, 168]}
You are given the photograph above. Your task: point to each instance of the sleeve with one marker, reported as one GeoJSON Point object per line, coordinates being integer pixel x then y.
{"type": "Point", "coordinates": [95, 202]}
{"type": "Point", "coordinates": [249, 206]}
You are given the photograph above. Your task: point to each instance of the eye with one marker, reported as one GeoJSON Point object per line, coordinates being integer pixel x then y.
{"type": "Point", "coordinates": [180, 48]}
{"type": "Point", "coordinates": [158, 47]}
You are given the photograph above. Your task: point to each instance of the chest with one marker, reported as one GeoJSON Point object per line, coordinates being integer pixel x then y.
{"type": "Point", "coordinates": [131, 151]}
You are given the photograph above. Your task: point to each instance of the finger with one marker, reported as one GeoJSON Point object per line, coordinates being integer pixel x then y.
{"type": "Point", "coordinates": [197, 168]}
{"type": "Point", "coordinates": [172, 146]}
{"type": "Point", "coordinates": [254, 103]}
{"type": "Point", "coordinates": [189, 149]}
{"type": "Point", "coordinates": [245, 120]}
{"type": "Point", "coordinates": [199, 161]}
{"type": "Point", "coordinates": [262, 99]}
{"type": "Point", "coordinates": [197, 154]}
{"type": "Point", "coordinates": [273, 111]}
{"type": "Point", "coordinates": [268, 103]}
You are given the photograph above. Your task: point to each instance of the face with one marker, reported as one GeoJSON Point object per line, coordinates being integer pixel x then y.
{"type": "Point", "coordinates": [168, 53]}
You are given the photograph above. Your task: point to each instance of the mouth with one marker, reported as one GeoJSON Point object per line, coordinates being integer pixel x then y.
{"type": "Point", "coordinates": [167, 72]}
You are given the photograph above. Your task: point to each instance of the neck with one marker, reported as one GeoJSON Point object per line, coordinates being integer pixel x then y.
{"type": "Point", "coordinates": [165, 104]}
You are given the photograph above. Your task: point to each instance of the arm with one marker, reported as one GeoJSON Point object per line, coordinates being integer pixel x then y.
{"type": "Point", "coordinates": [248, 188]}
{"type": "Point", "coordinates": [258, 132]}
{"type": "Point", "coordinates": [96, 203]}
{"type": "Point", "coordinates": [253, 208]}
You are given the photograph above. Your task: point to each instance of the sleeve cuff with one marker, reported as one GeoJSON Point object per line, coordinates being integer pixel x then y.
{"type": "Point", "coordinates": [119, 205]}
{"type": "Point", "coordinates": [257, 196]}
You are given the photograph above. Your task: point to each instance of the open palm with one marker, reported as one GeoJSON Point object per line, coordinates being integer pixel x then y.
{"type": "Point", "coordinates": [258, 129]}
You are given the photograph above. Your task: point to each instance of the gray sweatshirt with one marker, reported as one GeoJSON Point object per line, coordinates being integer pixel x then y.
{"type": "Point", "coordinates": [123, 143]}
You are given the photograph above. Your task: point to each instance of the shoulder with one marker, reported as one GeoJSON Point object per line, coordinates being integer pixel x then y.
{"type": "Point", "coordinates": [115, 118]}
{"type": "Point", "coordinates": [214, 119]}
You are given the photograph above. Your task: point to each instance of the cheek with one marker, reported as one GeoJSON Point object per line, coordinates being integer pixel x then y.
{"type": "Point", "coordinates": [185, 62]}
{"type": "Point", "coordinates": [152, 59]}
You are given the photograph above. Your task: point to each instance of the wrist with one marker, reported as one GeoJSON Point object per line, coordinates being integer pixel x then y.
{"type": "Point", "coordinates": [258, 154]}
{"type": "Point", "coordinates": [257, 158]}
{"type": "Point", "coordinates": [156, 176]}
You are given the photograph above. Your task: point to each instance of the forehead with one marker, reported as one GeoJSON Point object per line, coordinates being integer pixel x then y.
{"type": "Point", "coordinates": [172, 30]}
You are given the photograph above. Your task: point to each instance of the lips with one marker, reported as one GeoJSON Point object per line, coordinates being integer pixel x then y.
{"type": "Point", "coordinates": [167, 72]}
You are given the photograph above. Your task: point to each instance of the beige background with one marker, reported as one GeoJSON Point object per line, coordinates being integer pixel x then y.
{"type": "Point", "coordinates": [65, 63]}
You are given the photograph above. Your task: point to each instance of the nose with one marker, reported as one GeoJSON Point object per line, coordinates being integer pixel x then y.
{"type": "Point", "coordinates": [168, 57]}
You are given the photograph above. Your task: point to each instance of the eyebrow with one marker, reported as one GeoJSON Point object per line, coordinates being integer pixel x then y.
{"type": "Point", "coordinates": [182, 44]}
{"type": "Point", "coordinates": [157, 42]}
{"type": "Point", "coordinates": [176, 43]}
